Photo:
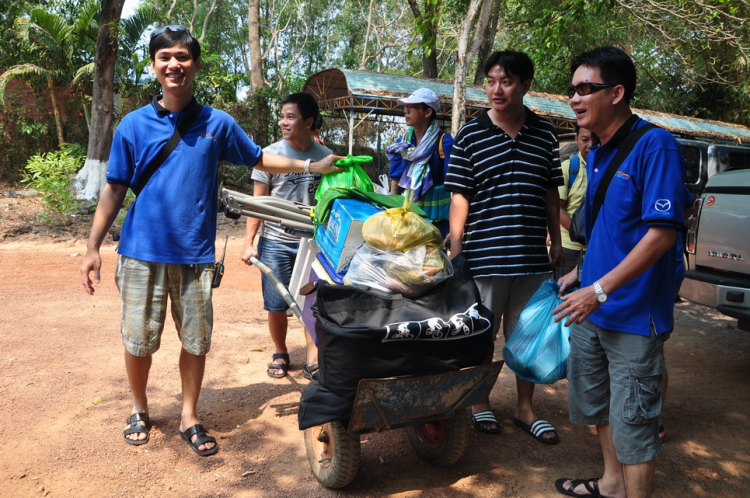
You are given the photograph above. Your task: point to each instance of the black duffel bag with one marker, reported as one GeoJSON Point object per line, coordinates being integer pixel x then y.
{"type": "Point", "coordinates": [369, 334]}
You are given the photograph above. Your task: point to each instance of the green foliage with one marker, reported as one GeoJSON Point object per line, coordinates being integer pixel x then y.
{"type": "Point", "coordinates": [52, 174]}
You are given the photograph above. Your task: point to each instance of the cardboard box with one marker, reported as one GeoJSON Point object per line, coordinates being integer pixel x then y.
{"type": "Point", "coordinates": [342, 235]}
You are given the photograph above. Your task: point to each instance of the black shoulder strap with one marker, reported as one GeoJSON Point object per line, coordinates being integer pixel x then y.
{"type": "Point", "coordinates": [622, 153]}
{"type": "Point", "coordinates": [168, 147]}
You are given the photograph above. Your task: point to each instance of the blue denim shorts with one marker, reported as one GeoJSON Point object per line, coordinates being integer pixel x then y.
{"type": "Point", "coordinates": [279, 257]}
{"type": "Point", "coordinates": [615, 378]}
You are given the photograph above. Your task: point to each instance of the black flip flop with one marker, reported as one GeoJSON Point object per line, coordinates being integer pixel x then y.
{"type": "Point", "coordinates": [284, 367]}
{"type": "Point", "coordinates": [136, 427]}
{"type": "Point", "coordinates": [538, 429]}
{"type": "Point", "coordinates": [202, 438]}
{"type": "Point", "coordinates": [593, 488]}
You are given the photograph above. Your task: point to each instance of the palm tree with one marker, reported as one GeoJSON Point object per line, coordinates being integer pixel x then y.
{"type": "Point", "coordinates": [60, 48]}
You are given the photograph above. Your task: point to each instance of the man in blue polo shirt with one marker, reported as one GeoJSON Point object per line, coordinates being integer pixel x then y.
{"type": "Point", "coordinates": [167, 240]}
{"type": "Point", "coordinates": [624, 308]}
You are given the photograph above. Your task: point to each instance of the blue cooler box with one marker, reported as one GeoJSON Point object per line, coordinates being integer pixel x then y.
{"type": "Point", "coordinates": [342, 235]}
{"type": "Point", "coordinates": [320, 269]}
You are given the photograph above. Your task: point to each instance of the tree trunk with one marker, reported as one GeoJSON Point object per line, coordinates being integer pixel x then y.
{"type": "Point", "coordinates": [91, 179]}
{"type": "Point", "coordinates": [363, 62]}
{"type": "Point", "coordinates": [464, 54]}
{"type": "Point", "coordinates": [56, 110]}
{"type": "Point", "coordinates": [489, 41]}
{"type": "Point", "coordinates": [429, 36]}
{"type": "Point", "coordinates": [257, 80]}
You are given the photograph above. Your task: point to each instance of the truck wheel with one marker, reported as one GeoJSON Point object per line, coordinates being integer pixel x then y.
{"type": "Point", "coordinates": [440, 443]}
{"type": "Point", "coordinates": [333, 454]}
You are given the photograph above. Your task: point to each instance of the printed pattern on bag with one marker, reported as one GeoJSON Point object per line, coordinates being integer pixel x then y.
{"type": "Point", "coordinates": [458, 326]}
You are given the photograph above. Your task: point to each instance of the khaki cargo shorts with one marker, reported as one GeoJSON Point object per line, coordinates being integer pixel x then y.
{"type": "Point", "coordinates": [144, 288]}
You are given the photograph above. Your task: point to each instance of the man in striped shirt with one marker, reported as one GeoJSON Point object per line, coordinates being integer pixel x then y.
{"type": "Point", "coordinates": [504, 174]}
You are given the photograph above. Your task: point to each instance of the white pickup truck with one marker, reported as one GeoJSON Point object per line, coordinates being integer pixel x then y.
{"type": "Point", "coordinates": [718, 247]}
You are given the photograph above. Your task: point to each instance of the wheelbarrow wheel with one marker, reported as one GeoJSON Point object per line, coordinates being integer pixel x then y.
{"type": "Point", "coordinates": [440, 443]}
{"type": "Point", "coordinates": [333, 454]}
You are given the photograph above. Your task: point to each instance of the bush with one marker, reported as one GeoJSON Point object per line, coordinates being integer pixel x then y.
{"type": "Point", "coordinates": [52, 174]}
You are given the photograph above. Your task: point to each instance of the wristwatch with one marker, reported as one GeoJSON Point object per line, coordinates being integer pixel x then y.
{"type": "Point", "coordinates": [601, 296]}
{"type": "Point", "coordinates": [307, 165]}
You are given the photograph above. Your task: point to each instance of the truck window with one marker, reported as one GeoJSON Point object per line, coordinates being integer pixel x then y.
{"type": "Point", "coordinates": [738, 160]}
{"type": "Point", "coordinates": [692, 163]}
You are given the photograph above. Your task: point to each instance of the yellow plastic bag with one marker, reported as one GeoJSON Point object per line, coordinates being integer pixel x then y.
{"type": "Point", "coordinates": [400, 229]}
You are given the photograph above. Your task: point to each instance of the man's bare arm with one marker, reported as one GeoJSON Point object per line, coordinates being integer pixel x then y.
{"type": "Point", "coordinates": [109, 205]}
{"type": "Point", "coordinates": [459, 213]}
{"type": "Point", "coordinates": [274, 163]}
{"type": "Point", "coordinates": [253, 224]}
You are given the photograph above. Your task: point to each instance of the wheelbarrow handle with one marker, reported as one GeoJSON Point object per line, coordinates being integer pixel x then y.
{"type": "Point", "coordinates": [280, 287]}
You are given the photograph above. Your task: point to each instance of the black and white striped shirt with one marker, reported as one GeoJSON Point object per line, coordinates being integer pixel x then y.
{"type": "Point", "coordinates": [506, 182]}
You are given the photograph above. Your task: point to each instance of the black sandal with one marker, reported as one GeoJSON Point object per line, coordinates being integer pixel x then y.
{"type": "Point", "coordinates": [202, 438]}
{"type": "Point", "coordinates": [136, 427]}
{"type": "Point", "coordinates": [310, 370]}
{"type": "Point", "coordinates": [284, 367]}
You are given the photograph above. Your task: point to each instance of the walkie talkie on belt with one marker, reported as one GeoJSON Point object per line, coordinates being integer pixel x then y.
{"type": "Point", "coordinates": [219, 271]}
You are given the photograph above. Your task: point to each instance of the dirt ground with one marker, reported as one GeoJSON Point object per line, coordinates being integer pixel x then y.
{"type": "Point", "coordinates": [60, 352]}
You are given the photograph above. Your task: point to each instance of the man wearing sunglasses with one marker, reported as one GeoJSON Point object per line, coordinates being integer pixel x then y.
{"type": "Point", "coordinates": [167, 239]}
{"type": "Point", "coordinates": [504, 173]}
{"type": "Point", "coordinates": [623, 311]}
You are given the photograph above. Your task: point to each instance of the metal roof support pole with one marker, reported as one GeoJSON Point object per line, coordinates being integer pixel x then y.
{"type": "Point", "coordinates": [351, 130]}
{"type": "Point", "coordinates": [380, 166]}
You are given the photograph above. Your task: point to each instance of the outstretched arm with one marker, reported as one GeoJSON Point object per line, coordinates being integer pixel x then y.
{"type": "Point", "coordinates": [109, 205]}
{"type": "Point", "coordinates": [274, 163]}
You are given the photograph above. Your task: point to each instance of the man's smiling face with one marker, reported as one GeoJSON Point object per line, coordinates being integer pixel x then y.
{"type": "Point", "coordinates": [175, 68]}
{"type": "Point", "coordinates": [593, 111]}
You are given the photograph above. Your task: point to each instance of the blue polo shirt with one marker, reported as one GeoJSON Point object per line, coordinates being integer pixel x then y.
{"type": "Point", "coordinates": [647, 190]}
{"type": "Point", "coordinates": [173, 220]}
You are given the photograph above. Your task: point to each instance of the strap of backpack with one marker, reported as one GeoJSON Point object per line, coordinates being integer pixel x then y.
{"type": "Point", "coordinates": [575, 167]}
{"type": "Point", "coordinates": [622, 154]}
{"type": "Point", "coordinates": [167, 148]}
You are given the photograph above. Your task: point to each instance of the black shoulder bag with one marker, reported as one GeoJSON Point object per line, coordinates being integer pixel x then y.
{"type": "Point", "coordinates": [577, 229]}
{"type": "Point", "coordinates": [168, 147]}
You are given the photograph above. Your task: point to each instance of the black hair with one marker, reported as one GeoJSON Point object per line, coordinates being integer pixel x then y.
{"type": "Point", "coordinates": [615, 67]}
{"type": "Point", "coordinates": [170, 38]}
{"type": "Point", "coordinates": [318, 124]}
{"type": "Point", "coordinates": [512, 62]}
{"type": "Point", "coordinates": [594, 139]}
{"type": "Point", "coordinates": [306, 103]}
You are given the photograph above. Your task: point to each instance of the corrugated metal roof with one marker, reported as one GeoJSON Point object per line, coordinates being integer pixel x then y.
{"type": "Point", "coordinates": [365, 91]}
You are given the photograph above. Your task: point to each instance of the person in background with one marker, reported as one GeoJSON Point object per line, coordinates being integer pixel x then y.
{"type": "Point", "coordinates": [571, 196]}
{"type": "Point", "coordinates": [419, 159]}
{"type": "Point", "coordinates": [623, 311]}
{"type": "Point", "coordinates": [166, 250]}
{"type": "Point", "coordinates": [317, 128]}
{"type": "Point", "coordinates": [504, 174]}
{"type": "Point", "coordinates": [276, 248]}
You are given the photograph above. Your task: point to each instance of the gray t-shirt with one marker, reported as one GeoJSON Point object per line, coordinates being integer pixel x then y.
{"type": "Point", "coordinates": [297, 187]}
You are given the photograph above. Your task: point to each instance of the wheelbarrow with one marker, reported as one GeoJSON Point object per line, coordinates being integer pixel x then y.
{"type": "Point", "coordinates": [431, 408]}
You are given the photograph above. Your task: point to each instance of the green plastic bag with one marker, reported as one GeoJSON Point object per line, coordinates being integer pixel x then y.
{"type": "Point", "coordinates": [353, 176]}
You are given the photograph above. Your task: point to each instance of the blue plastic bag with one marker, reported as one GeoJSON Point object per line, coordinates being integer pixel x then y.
{"type": "Point", "coordinates": [538, 348]}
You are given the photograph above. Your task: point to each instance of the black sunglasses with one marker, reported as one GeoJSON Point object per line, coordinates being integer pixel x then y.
{"type": "Point", "coordinates": [587, 88]}
{"type": "Point", "coordinates": [171, 27]}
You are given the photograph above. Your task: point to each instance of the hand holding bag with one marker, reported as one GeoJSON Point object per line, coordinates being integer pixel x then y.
{"type": "Point", "coordinates": [538, 348]}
